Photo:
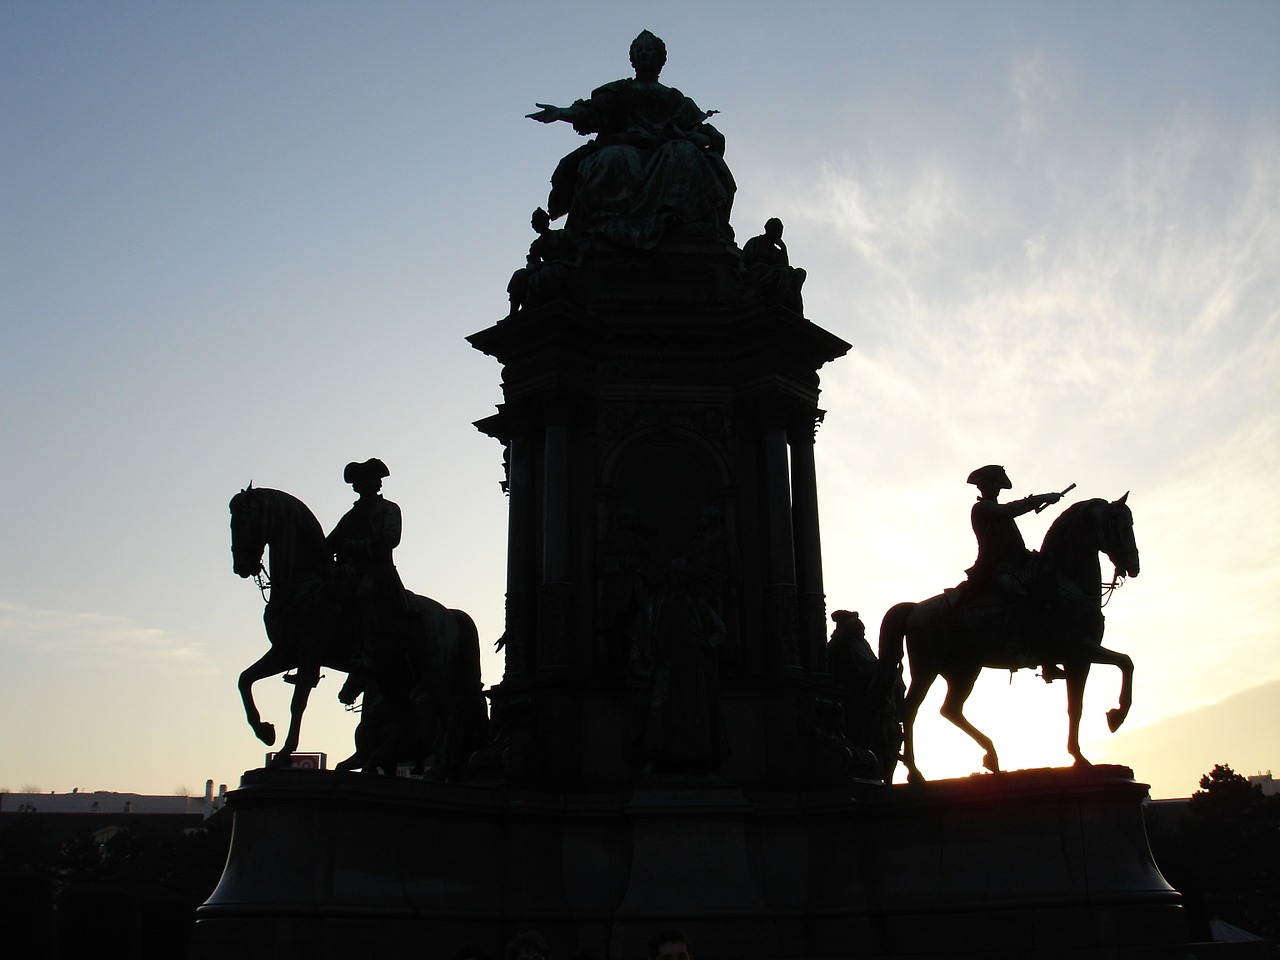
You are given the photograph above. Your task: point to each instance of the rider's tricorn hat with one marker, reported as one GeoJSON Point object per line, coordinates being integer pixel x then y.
{"type": "Point", "coordinates": [991, 473]}
{"type": "Point", "coordinates": [373, 468]}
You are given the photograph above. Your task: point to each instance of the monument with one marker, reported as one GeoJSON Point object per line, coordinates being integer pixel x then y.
{"type": "Point", "coordinates": [673, 743]}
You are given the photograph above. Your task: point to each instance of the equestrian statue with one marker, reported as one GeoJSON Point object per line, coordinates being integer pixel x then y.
{"type": "Point", "coordinates": [1018, 609]}
{"type": "Point", "coordinates": [337, 602]}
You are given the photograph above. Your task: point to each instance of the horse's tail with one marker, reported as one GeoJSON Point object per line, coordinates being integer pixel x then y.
{"type": "Point", "coordinates": [893, 634]}
{"type": "Point", "coordinates": [472, 717]}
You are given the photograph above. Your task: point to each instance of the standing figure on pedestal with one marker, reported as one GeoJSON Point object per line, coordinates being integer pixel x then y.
{"type": "Point", "coordinates": [655, 159]}
{"type": "Point", "coordinates": [368, 581]}
{"type": "Point", "coordinates": [870, 700]}
{"type": "Point", "coordinates": [769, 270]}
{"type": "Point", "coordinates": [675, 656]}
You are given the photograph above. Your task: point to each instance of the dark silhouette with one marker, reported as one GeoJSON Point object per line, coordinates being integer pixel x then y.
{"type": "Point", "coordinates": [423, 671]}
{"type": "Point", "coordinates": [769, 270]}
{"type": "Point", "coordinates": [997, 588]}
{"type": "Point", "coordinates": [940, 642]}
{"type": "Point", "coordinates": [675, 656]}
{"type": "Point", "coordinates": [529, 945]}
{"type": "Point", "coordinates": [655, 159]}
{"type": "Point", "coordinates": [870, 694]}
{"type": "Point", "coordinates": [551, 260]}
{"type": "Point", "coordinates": [366, 578]}
{"type": "Point", "coordinates": [669, 945]}
{"type": "Point", "coordinates": [1221, 850]}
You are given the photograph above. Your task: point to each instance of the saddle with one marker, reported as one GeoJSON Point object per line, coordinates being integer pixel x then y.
{"type": "Point", "coordinates": [1015, 625]}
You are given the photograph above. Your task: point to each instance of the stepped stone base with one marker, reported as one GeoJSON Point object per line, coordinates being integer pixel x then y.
{"type": "Point", "coordinates": [1038, 863]}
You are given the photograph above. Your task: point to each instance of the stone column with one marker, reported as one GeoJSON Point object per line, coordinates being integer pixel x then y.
{"type": "Point", "coordinates": [553, 592]}
{"type": "Point", "coordinates": [780, 563]}
{"type": "Point", "coordinates": [804, 511]}
{"type": "Point", "coordinates": [521, 561]}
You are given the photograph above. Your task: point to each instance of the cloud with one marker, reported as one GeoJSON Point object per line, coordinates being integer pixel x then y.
{"type": "Point", "coordinates": [1036, 84]}
{"type": "Point", "coordinates": [1122, 330]}
{"type": "Point", "coordinates": [94, 636]}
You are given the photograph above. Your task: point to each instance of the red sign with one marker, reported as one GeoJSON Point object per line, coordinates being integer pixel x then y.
{"type": "Point", "coordinates": [305, 761]}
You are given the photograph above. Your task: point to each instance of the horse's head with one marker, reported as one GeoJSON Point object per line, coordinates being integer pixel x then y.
{"type": "Point", "coordinates": [1118, 542]}
{"type": "Point", "coordinates": [248, 531]}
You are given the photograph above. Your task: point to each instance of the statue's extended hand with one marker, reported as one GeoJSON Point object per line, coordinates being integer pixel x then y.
{"type": "Point", "coordinates": [547, 114]}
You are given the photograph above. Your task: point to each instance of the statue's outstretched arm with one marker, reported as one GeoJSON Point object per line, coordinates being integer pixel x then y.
{"type": "Point", "coordinates": [549, 113]}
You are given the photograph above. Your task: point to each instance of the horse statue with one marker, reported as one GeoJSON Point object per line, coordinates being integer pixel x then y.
{"type": "Point", "coordinates": [1066, 621]}
{"type": "Point", "coordinates": [421, 683]}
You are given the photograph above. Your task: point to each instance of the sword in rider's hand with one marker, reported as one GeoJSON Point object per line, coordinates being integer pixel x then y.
{"type": "Point", "coordinates": [1062, 494]}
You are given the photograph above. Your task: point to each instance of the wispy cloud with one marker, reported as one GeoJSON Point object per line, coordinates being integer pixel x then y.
{"type": "Point", "coordinates": [1035, 83]}
{"type": "Point", "coordinates": [1122, 330]}
{"type": "Point", "coordinates": [94, 636]}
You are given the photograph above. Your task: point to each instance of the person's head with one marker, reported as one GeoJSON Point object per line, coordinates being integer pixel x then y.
{"type": "Point", "coordinates": [366, 478]}
{"type": "Point", "coordinates": [648, 56]}
{"type": "Point", "coordinates": [773, 229]}
{"type": "Point", "coordinates": [990, 480]}
{"type": "Point", "coordinates": [669, 945]}
{"type": "Point", "coordinates": [529, 945]}
{"type": "Point", "coordinates": [540, 221]}
{"type": "Point", "coordinates": [848, 621]}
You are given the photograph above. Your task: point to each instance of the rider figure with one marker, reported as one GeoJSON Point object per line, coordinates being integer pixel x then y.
{"type": "Point", "coordinates": [1005, 565]}
{"type": "Point", "coordinates": [362, 542]}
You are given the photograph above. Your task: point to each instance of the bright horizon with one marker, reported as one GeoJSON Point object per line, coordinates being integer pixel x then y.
{"type": "Point", "coordinates": [245, 243]}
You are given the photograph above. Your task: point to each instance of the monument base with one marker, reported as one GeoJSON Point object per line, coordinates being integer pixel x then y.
{"type": "Point", "coordinates": [1037, 863]}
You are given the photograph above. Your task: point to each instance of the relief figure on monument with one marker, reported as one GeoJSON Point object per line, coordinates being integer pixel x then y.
{"type": "Point", "coordinates": [655, 161]}
{"type": "Point", "coordinates": [674, 658]}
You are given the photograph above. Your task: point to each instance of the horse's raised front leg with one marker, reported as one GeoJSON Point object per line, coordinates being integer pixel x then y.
{"type": "Point", "coordinates": [958, 689]}
{"type": "Point", "coordinates": [1077, 675]}
{"type": "Point", "coordinates": [1125, 664]}
{"type": "Point", "coordinates": [268, 665]}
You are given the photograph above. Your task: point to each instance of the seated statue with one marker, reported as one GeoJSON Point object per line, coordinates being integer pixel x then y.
{"type": "Point", "coordinates": [552, 257]}
{"type": "Point", "coordinates": [768, 270]}
{"type": "Point", "coordinates": [655, 160]}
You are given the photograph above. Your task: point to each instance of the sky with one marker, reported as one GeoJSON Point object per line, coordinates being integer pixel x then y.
{"type": "Point", "coordinates": [246, 241]}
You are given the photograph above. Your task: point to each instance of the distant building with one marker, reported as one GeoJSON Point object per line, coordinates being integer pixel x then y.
{"type": "Point", "coordinates": [1269, 786]}
{"type": "Point", "coordinates": [104, 801]}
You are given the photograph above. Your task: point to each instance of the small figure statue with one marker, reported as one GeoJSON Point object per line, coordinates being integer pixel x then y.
{"type": "Point", "coordinates": [654, 160]}
{"type": "Point", "coordinates": [547, 267]}
{"type": "Point", "coordinates": [362, 543]}
{"type": "Point", "coordinates": [769, 271]}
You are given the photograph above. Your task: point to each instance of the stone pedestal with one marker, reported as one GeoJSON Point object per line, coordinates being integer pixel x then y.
{"type": "Point", "coordinates": [1033, 864]}
{"type": "Point", "coordinates": [659, 445]}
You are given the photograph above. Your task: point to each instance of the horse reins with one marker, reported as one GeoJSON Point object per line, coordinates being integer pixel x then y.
{"type": "Point", "coordinates": [1109, 589]}
{"type": "Point", "coordinates": [263, 580]}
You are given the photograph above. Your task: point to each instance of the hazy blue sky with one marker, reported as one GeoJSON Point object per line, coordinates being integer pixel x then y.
{"type": "Point", "coordinates": [246, 241]}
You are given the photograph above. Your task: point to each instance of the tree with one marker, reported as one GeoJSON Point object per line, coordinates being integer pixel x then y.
{"type": "Point", "coordinates": [1224, 790]}
{"type": "Point", "coordinates": [1225, 857]}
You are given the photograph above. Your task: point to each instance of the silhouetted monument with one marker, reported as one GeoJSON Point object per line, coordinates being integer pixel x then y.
{"type": "Point", "coordinates": [1018, 611]}
{"type": "Point", "coordinates": [654, 162]}
{"type": "Point", "coordinates": [416, 663]}
{"type": "Point", "coordinates": [673, 741]}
